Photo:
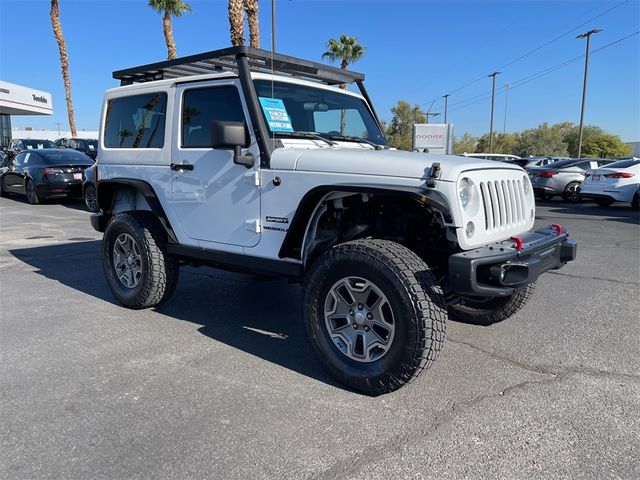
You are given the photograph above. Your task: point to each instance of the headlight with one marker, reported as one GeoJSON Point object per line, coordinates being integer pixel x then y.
{"type": "Point", "coordinates": [468, 194]}
{"type": "Point", "coordinates": [526, 184]}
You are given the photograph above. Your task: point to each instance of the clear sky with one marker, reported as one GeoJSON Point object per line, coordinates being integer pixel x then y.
{"type": "Point", "coordinates": [416, 51]}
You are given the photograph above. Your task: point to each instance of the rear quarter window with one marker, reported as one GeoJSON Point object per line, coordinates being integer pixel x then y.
{"type": "Point", "coordinates": [136, 121]}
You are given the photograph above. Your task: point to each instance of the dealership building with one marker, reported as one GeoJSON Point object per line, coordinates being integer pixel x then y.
{"type": "Point", "coordinates": [20, 100]}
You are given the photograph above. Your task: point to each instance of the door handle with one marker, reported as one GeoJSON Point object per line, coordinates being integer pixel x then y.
{"type": "Point", "coordinates": [181, 166]}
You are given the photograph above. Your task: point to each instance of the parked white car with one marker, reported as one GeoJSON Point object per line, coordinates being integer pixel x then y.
{"type": "Point", "coordinates": [617, 182]}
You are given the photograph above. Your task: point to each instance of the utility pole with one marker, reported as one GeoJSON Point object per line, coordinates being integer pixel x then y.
{"type": "Point", "coordinates": [58, 124]}
{"type": "Point", "coordinates": [273, 26]}
{"type": "Point", "coordinates": [586, 35]}
{"type": "Point", "coordinates": [446, 98]}
{"type": "Point", "coordinates": [429, 114]}
{"type": "Point", "coordinates": [493, 97]}
{"type": "Point", "coordinates": [506, 102]}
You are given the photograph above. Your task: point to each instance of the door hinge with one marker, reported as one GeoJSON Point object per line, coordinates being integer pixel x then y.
{"type": "Point", "coordinates": [253, 225]}
{"type": "Point", "coordinates": [253, 178]}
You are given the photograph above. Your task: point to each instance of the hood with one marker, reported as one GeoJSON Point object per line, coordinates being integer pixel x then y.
{"type": "Point", "coordinates": [387, 163]}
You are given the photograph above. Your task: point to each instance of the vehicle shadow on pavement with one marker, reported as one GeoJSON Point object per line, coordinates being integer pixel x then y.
{"type": "Point", "coordinates": [73, 202]}
{"type": "Point", "coordinates": [261, 316]}
{"type": "Point", "coordinates": [258, 315]}
{"type": "Point", "coordinates": [76, 265]}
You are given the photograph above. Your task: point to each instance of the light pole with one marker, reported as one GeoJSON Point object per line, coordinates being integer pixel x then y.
{"type": "Point", "coordinates": [506, 102]}
{"type": "Point", "coordinates": [273, 26]}
{"type": "Point", "coordinates": [446, 98]}
{"type": "Point", "coordinates": [429, 114]}
{"type": "Point", "coordinates": [586, 35]}
{"type": "Point", "coordinates": [493, 97]}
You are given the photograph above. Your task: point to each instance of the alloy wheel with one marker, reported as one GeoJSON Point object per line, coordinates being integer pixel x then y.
{"type": "Point", "coordinates": [359, 319]}
{"type": "Point", "coordinates": [127, 260]}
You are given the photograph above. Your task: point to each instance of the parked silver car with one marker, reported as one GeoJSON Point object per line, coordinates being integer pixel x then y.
{"type": "Point", "coordinates": [564, 178]}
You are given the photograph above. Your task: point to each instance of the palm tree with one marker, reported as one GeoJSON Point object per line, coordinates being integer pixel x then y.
{"type": "Point", "coordinates": [348, 50]}
{"type": "Point", "coordinates": [236, 22]}
{"type": "Point", "coordinates": [169, 8]}
{"type": "Point", "coordinates": [251, 6]}
{"type": "Point", "coordinates": [64, 62]}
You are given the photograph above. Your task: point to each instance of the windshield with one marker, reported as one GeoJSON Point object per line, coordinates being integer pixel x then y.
{"type": "Point", "coordinates": [300, 108]}
{"type": "Point", "coordinates": [38, 144]}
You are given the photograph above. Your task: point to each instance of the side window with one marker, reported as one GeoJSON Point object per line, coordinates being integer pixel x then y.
{"type": "Point", "coordinates": [137, 121]}
{"type": "Point", "coordinates": [584, 165]}
{"type": "Point", "coordinates": [602, 163]}
{"type": "Point", "coordinates": [201, 106]}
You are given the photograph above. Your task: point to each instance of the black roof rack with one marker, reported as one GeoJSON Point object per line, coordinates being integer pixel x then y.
{"type": "Point", "coordinates": [227, 60]}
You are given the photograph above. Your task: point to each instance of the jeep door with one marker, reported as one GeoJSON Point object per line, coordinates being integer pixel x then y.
{"type": "Point", "coordinates": [215, 200]}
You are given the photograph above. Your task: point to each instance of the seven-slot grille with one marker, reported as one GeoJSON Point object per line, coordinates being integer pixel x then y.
{"type": "Point", "coordinates": [504, 204]}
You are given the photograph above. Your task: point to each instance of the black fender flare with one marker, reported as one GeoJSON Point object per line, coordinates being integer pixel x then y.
{"type": "Point", "coordinates": [105, 192]}
{"type": "Point", "coordinates": [292, 244]}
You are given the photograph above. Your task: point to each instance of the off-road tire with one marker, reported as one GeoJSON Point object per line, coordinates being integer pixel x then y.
{"type": "Point", "coordinates": [489, 311]}
{"type": "Point", "coordinates": [159, 269]}
{"type": "Point", "coordinates": [571, 192]}
{"type": "Point", "coordinates": [414, 296]}
{"type": "Point", "coordinates": [604, 202]}
{"type": "Point", "coordinates": [32, 193]}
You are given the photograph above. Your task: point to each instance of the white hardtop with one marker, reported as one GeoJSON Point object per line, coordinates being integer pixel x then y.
{"type": "Point", "coordinates": [167, 83]}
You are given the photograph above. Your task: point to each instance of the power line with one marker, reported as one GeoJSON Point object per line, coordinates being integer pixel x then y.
{"type": "Point", "coordinates": [476, 80]}
{"type": "Point", "coordinates": [534, 76]}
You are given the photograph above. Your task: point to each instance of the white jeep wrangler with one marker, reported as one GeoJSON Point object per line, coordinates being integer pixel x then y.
{"type": "Point", "coordinates": [257, 162]}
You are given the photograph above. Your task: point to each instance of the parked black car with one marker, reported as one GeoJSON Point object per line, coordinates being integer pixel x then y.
{"type": "Point", "coordinates": [43, 174]}
{"type": "Point", "coordinates": [88, 146]}
{"type": "Point", "coordinates": [19, 144]}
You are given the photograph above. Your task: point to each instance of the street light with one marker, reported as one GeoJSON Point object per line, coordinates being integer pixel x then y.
{"type": "Point", "coordinates": [446, 98]}
{"type": "Point", "coordinates": [506, 102]}
{"type": "Point", "coordinates": [493, 96]}
{"type": "Point", "coordinates": [586, 35]}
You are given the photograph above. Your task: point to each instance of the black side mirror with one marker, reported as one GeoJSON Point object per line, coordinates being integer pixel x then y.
{"type": "Point", "coordinates": [232, 135]}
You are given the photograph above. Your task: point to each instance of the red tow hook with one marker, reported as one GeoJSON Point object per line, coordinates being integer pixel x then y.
{"type": "Point", "coordinates": [558, 228]}
{"type": "Point", "coordinates": [518, 245]}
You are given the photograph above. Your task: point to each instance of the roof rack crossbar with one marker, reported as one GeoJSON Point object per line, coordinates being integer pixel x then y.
{"type": "Point", "coordinates": [227, 59]}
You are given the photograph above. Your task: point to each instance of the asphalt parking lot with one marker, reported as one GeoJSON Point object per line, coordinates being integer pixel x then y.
{"type": "Point", "coordinates": [219, 382]}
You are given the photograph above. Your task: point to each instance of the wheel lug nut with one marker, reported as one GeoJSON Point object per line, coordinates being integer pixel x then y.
{"type": "Point", "coordinates": [369, 316]}
{"type": "Point", "coordinates": [366, 329]}
{"type": "Point", "coordinates": [351, 312]}
{"type": "Point", "coordinates": [359, 306]}
{"type": "Point", "coordinates": [355, 325]}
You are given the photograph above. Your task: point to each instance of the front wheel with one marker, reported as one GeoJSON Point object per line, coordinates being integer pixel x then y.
{"type": "Point", "coordinates": [138, 268]}
{"type": "Point", "coordinates": [571, 192]}
{"type": "Point", "coordinates": [374, 314]}
{"type": "Point", "coordinates": [487, 311]}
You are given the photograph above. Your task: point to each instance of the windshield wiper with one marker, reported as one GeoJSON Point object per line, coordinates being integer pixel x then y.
{"type": "Point", "coordinates": [310, 135]}
{"type": "Point", "coordinates": [351, 138]}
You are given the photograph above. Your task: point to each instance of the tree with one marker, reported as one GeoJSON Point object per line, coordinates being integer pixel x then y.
{"type": "Point", "coordinates": [347, 50]}
{"type": "Point", "coordinates": [169, 8]}
{"type": "Point", "coordinates": [596, 143]}
{"type": "Point", "coordinates": [502, 143]}
{"type": "Point", "coordinates": [543, 140]}
{"type": "Point", "coordinates": [64, 63]}
{"type": "Point", "coordinates": [400, 130]}
{"type": "Point", "coordinates": [465, 144]}
{"type": "Point", "coordinates": [236, 22]}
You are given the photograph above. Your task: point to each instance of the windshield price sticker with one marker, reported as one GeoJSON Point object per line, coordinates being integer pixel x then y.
{"type": "Point", "coordinates": [276, 113]}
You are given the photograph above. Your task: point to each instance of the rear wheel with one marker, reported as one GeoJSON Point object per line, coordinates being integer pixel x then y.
{"type": "Point", "coordinates": [487, 311]}
{"type": "Point", "coordinates": [374, 314]}
{"type": "Point", "coordinates": [32, 194]}
{"type": "Point", "coordinates": [604, 202]}
{"type": "Point", "coordinates": [90, 198]}
{"type": "Point", "coordinates": [571, 192]}
{"type": "Point", "coordinates": [138, 268]}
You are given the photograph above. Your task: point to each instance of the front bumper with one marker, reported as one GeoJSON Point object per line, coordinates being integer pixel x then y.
{"type": "Point", "coordinates": [499, 269]}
